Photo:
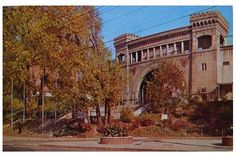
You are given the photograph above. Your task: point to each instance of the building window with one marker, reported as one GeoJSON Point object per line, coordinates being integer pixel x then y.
{"type": "Point", "coordinates": [164, 50]}
{"type": "Point", "coordinates": [225, 63]}
{"type": "Point", "coordinates": [178, 47]}
{"type": "Point", "coordinates": [204, 42]}
{"type": "Point", "coordinates": [145, 54]}
{"type": "Point", "coordinates": [157, 51]}
{"type": "Point", "coordinates": [134, 59]}
{"type": "Point", "coordinates": [222, 40]}
{"type": "Point", "coordinates": [204, 66]}
{"type": "Point", "coordinates": [186, 46]}
{"type": "Point", "coordinates": [151, 56]}
{"type": "Point", "coordinates": [121, 58]}
{"type": "Point", "coordinates": [171, 49]}
{"type": "Point", "coordinates": [139, 56]}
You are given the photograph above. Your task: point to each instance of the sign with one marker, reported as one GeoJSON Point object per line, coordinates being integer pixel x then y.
{"type": "Point", "coordinates": [164, 117]}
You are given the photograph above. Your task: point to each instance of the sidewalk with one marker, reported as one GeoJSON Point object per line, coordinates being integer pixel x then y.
{"type": "Point", "coordinates": [139, 144]}
{"type": "Point", "coordinates": [147, 145]}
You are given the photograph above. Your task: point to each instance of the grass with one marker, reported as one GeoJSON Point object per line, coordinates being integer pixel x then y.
{"type": "Point", "coordinates": [156, 131]}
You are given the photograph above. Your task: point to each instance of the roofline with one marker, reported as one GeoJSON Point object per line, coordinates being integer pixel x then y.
{"type": "Point", "coordinates": [157, 34]}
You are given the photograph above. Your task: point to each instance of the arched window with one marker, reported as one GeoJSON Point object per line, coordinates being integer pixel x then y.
{"type": "Point", "coordinates": [204, 42]}
{"type": "Point", "coordinates": [222, 40]}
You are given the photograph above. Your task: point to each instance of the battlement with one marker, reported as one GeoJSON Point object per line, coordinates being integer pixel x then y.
{"type": "Point", "coordinates": [203, 15]}
{"type": "Point", "coordinates": [208, 18]}
{"type": "Point", "coordinates": [126, 36]}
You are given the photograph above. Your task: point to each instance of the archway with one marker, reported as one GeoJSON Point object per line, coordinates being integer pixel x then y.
{"type": "Point", "coordinates": [138, 84]}
{"type": "Point", "coordinates": [142, 96]}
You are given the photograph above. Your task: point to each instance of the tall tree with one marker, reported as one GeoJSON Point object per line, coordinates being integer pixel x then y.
{"type": "Point", "coordinates": [164, 87]}
{"type": "Point", "coordinates": [44, 39]}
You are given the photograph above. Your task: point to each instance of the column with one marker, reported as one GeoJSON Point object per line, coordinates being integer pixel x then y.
{"type": "Point", "coordinates": [136, 56]}
{"type": "Point", "coordinates": [182, 47]}
{"type": "Point", "coordinates": [141, 55]}
{"type": "Point", "coordinates": [175, 49]}
{"type": "Point", "coordinates": [167, 50]}
{"type": "Point", "coordinates": [130, 57]}
{"type": "Point", "coordinates": [154, 52]}
{"type": "Point", "coordinates": [148, 54]}
{"type": "Point", "coordinates": [161, 55]}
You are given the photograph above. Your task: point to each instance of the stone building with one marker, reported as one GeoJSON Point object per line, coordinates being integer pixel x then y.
{"type": "Point", "coordinates": [199, 50]}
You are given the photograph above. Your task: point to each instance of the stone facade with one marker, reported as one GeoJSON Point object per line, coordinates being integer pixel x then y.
{"type": "Point", "coordinates": [199, 50]}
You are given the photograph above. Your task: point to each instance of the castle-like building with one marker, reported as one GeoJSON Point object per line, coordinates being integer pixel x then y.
{"type": "Point", "coordinates": [199, 50]}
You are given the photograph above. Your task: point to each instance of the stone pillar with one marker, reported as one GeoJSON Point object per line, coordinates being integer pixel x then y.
{"type": "Point", "coordinates": [154, 52]}
{"type": "Point", "coordinates": [161, 55]}
{"type": "Point", "coordinates": [130, 56]}
{"type": "Point", "coordinates": [136, 57]}
{"type": "Point", "coordinates": [167, 50]}
{"type": "Point", "coordinates": [148, 54]}
{"type": "Point", "coordinates": [141, 55]}
{"type": "Point", "coordinates": [175, 49]}
{"type": "Point", "coordinates": [182, 47]}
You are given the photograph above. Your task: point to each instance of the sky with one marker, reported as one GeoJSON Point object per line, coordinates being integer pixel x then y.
{"type": "Point", "coordinates": [117, 20]}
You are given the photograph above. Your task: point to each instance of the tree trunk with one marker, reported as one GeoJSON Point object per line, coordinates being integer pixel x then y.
{"type": "Point", "coordinates": [98, 113]}
{"type": "Point", "coordinates": [24, 103]}
{"type": "Point", "coordinates": [27, 103]}
{"type": "Point", "coordinates": [12, 98]}
{"type": "Point", "coordinates": [73, 112]}
{"type": "Point", "coordinates": [105, 111]}
{"type": "Point", "coordinates": [39, 108]}
{"type": "Point", "coordinates": [109, 114]}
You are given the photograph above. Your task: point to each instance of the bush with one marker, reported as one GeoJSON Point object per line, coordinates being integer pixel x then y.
{"type": "Point", "coordinates": [127, 114]}
{"type": "Point", "coordinates": [115, 132]}
{"type": "Point", "coordinates": [213, 115]}
{"type": "Point", "coordinates": [71, 127]}
{"type": "Point", "coordinates": [178, 124]}
{"type": "Point", "coordinates": [147, 119]}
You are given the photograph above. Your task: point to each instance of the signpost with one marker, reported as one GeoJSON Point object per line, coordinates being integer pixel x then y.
{"type": "Point", "coordinates": [164, 117]}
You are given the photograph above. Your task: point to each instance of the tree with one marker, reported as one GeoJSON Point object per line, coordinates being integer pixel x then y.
{"type": "Point", "coordinates": [116, 85]}
{"type": "Point", "coordinates": [164, 86]}
{"type": "Point", "coordinates": [59, 49]}
{"type": "Point", "coordinates": [44, 41]}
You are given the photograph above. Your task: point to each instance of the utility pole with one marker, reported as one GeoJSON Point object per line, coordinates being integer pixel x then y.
{"type": "Point", "coordinates": [43, 100]}
{"type": "Point", "coordinates": [12, 104]}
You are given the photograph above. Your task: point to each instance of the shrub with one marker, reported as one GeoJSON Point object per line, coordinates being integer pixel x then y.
{"type": "Point", "coordinates": [115, 132]}
{"type": "Point", "coordinates": [178, 124]}
{"type": "Point", "coordinates": [147, 119]}
{"type": "Point", "coordinates": [126, 114]}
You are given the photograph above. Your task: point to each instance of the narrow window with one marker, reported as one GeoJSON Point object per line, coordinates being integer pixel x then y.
{"type": "Point", "coordinates": [157, 50]}
{"type": "Point", "coordinates": [225, 63]}
{"type": "Point", "coordinates": [186, 46]}
{"type": "Point", "coordinates": [164, 50]}
{"type": "Point", "coordinates": [139, 56]}
{"type": "Point", "coordinates": [204, 66]}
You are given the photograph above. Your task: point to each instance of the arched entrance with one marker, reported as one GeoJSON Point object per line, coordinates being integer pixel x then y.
{"type": "Point", "coordinates": [143, 93]}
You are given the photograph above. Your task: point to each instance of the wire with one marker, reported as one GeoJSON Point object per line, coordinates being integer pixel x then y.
{"type": "Point", "coordinates": [112, 19]}
{"type": "Point", "coordinates": [135, 22]}
{"type": "Point", "coordinates": [173, 20]}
